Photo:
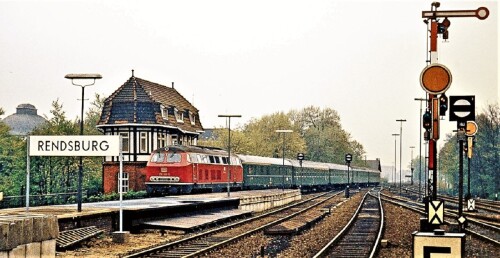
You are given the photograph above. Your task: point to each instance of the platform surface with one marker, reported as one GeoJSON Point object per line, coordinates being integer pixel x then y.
{"type": "Point", "coordinates": [190, 222]}
{"type": "Point", "coordinates": [70, 210]}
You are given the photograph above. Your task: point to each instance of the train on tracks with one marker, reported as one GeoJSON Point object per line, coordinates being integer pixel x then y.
{"type": "Point", "coordinates": [184, 169]}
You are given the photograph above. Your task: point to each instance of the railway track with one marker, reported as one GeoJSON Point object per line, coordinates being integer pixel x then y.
{"type": "Point", "coordinates": [483, 205]}
{"type": "Point", "coordinates": [207, 241]}
{"type": "Point", "coordinates": [360, 237]}
{"type": "Point", "coordinates": [480, 229]}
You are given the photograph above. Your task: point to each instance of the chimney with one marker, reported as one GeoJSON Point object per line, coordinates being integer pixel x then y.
{"type": "Point", "coordinates": [173, 85]}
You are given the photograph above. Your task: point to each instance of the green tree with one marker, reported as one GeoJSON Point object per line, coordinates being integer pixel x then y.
{"type": "Point", "coordinates": [12, 161]}
{"type": "Point", "coordinates": [263, 140]}
{"type": "Point", "coordinates": [485, 161]}
{"type": "Point", "coordinates": [324, 136]}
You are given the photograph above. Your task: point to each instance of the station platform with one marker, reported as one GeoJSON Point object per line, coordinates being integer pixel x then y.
{"type": "Point", "coordinates": [190, 223]}
{"type": "Point", "coordinates": [140, 212]}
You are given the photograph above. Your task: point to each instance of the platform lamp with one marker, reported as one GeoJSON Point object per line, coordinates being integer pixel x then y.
{"type": "Point", "coordinates": [400, 150]}
{"type": "Point", "coordinates": [229, 152]}
{"type": "Point", "coordinates": [73, 77]}
{"type": "Point", "coordinates": [395, 157]}
{"type": "Point", "coordinates": [283, 132]}
{"type": "Point", "coordinates": [411, 164]}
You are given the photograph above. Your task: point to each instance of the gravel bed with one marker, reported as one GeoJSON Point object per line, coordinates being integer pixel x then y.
{"type": "Point", "coordinates": [401, 222]}
{"type": "Point", "coordinates": [302, 245]}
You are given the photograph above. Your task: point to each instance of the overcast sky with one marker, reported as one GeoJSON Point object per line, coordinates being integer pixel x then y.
{"type": "Point", "coordinates": [361, 58]}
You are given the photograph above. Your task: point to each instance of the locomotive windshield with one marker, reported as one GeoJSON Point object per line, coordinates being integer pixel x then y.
{"type": "Point", "coordinates": [171, 157]}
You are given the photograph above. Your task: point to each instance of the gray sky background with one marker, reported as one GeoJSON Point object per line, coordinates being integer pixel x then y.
{"type": "Point", "coordinates": [361, 58]}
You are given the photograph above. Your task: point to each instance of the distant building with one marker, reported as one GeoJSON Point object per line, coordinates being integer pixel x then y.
{"type": "Point", "coordinates": [24, 121]}
{"type": "Point", "coordinates": [374, 164]}
{"type": "Point", "coordinates": [148, 116]}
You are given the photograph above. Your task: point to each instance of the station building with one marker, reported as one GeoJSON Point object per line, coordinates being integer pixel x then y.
{"type": "Point", "coordinates": [147, 116]}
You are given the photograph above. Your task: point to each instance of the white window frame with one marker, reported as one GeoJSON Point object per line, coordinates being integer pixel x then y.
{"type": "Point", "coordinates": [125, 182]}
{"type": "Point", "coordinates": [179, 116]}
{"type": "Point", "coordinates": [143, 141]}
{"type": "Point", "coordinates": [162, 140]}
{"type": "Point", "coordinates": [125, 141]}
{"type": "Point", "coordinates": [192, 118]}
{"type": "Point", "coordinates": [164, 112]}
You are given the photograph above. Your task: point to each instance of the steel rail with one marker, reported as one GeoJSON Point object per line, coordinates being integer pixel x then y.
{"type": "Point", "coordinates": [158, 248]}
{"type": "Point", "coordinates": [330, 245]}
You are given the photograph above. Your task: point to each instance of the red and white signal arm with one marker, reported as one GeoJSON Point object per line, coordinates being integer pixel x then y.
{"type": "Point", "coordinates": [426, 244]}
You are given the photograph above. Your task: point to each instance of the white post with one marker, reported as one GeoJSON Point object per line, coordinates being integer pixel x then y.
{"type": "Point", "coordinates": [120, 185]}
{"type": "Point", "coordinates": [27, 173]}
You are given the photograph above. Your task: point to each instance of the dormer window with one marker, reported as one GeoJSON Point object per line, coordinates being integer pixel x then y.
{"type": "Point", "coordinates": [179, 115]}
{"type": "Point", "coordinates": [192, 118]}
{"type": "Point", "coordinates": [164, 112]}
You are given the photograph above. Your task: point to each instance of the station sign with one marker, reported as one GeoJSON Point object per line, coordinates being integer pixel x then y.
{"type": "Point", "coordinates": [74, 145]}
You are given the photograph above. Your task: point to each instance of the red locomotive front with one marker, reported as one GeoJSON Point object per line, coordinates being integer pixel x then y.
{"type": "Point", "coordinates": [182, 169]}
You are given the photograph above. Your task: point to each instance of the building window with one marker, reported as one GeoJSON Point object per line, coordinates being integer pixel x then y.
{"type": "Point", "coordinates": [164, 112]}
{"type": "Point", "coordinates": [179, 115]}
{"type": "Point", "coordinates": [162, 140]}
{"type": "Point", "coordinates": [125, 185]}
{"type": "Point", "coordinates": [143, 139]}
{"type": "Point", "coordinates": [125, 141]}
{"type": "Point", "coordinates": [192, 118]}
{"type": "Point", "coordinates": [174, 140]}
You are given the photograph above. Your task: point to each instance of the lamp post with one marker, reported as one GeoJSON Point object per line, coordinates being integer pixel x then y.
{"type": "Point", "coordinates": [283, 132]}
{"type": "Point", "coordinates": [420, 148]}
{"type": "Point", "coordinates": [229, 151]}
{"type": "Point", "coordinates": [395, 154]}
{"type": "Point", "coordinates": [74, 77]}
{"type": "Point", "coordinates": [400, 150]}
{"type": "Point", "coordinates": [411, 164]}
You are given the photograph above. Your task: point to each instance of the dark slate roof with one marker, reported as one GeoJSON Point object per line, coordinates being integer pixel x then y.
{"type": "Point", "coordinates": [24, 120]}
{"type": "Point", "coordinates": [139, 101]}
{"type": "Point", "coordinates": [374, 164]}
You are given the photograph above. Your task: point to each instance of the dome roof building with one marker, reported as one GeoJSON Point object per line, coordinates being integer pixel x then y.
{"type": "Point", "coordinates": [24, 120]}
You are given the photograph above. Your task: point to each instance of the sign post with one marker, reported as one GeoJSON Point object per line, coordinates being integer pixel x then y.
{"type": "Point", "coordinates": [462, 109]}
{"type": "Point", "coordinates": [470, 131]}
{"type": "Point", "coordinates": [348, 159]}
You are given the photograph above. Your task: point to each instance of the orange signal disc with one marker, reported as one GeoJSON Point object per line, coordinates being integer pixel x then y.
{"type": "Point", "coordinates": [435, 79]}
{"type": "Point", "coordinates": [471, 128]}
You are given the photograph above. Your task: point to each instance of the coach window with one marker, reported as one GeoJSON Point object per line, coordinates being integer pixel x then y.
{"type": "Point", "coordinates": [211, 159]}
{"type": "Point", "coordinates": [217, 159]}
{"type": "Point", "coordinates": [143, 141]}
{"type": "Point", "coordinates": [125, 185]}
{"type": "Point", "coordinates": [125, 141]}
{"type": "Point", "coordinates": [224, 160]}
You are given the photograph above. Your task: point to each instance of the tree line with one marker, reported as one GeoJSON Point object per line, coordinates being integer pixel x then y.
{"type": "Point", "coordinates": [317, 133]}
